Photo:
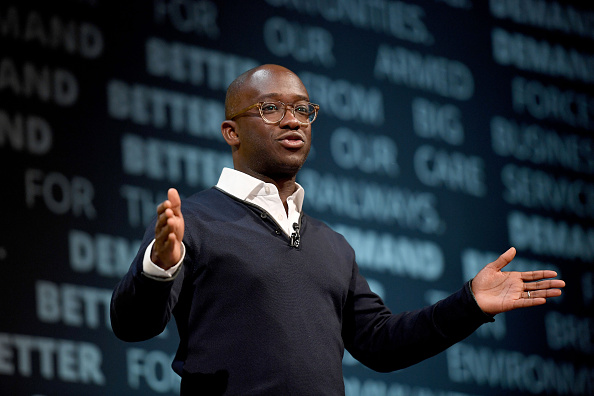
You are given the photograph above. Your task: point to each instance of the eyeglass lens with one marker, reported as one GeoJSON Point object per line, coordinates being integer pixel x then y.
{"type": "Point", "coordinates": [275, 111]}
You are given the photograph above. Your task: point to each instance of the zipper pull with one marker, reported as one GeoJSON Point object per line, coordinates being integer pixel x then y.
{"type": "Point", "coordinates": [295, 237]}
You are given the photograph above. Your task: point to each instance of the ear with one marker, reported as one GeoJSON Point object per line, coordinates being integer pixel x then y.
{"type": "Point", "coordinates": [229, 132]}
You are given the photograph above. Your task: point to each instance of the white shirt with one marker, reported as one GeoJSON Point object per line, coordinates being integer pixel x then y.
{"type": "Point", "coordinates": [248, 189]}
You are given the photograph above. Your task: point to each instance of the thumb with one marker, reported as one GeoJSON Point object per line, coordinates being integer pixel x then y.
{"type": "Point", "coordinates": [173, 197]}
{"type": "Point", "coordinates": [504, 259]}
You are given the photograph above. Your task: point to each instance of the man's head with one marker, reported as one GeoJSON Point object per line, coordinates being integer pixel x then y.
{"type": "Point", "coordinates": [262, 149]}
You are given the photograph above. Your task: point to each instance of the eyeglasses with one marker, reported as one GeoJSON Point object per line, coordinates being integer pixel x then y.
{"type": "Point", "coordinates": [274, 112]}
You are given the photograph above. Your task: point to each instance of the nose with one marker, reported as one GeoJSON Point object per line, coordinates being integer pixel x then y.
{"type": "Point", "coordinates": [289, 120]}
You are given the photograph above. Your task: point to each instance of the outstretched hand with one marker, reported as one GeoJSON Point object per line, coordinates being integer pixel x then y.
{"type": "Point", "coordinates": [498, 292]}
{"type": "Point", "coordinates": [169, 231]}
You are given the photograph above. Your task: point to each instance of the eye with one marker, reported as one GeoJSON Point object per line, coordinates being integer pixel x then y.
{"type": "Point", "coordinates": [269, 107]}
{"type": "Point", "coordinates": [302, 108]}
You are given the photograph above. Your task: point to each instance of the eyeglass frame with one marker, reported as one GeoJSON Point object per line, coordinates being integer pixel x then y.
{"type": "Point", "coordinates": [286, 105]}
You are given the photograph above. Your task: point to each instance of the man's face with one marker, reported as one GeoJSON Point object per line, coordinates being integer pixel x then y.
{"type": "Point", "coordinates": [272, 150]}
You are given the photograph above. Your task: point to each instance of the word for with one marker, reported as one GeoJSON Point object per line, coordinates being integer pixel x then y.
{"type": "Point", "coordinates": [59, 193]}
{"type": "Point", "coordinates": [152, 368]}
{"type": "Point", "coordinates": [187, 16]}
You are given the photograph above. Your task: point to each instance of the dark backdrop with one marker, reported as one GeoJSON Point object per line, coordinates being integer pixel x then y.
{"type": "Point", "coordinates": [448, 131]}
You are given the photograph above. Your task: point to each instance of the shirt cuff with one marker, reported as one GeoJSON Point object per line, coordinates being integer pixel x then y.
{"type": "Point", "coordinates": [153, 270]}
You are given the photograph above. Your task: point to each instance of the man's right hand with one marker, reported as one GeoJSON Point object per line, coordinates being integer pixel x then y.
{"type": "Point", "coordinates": [169, 232]}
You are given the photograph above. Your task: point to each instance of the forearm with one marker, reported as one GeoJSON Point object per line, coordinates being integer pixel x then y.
{"type": "Point", "coordinates": [391, 342]}
{"type": "Point", "coordinates": [141, 304]}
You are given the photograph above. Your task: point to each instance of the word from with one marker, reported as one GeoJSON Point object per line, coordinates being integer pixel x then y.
{"type": "Point", "coordinates": [58, 86]}
{"type": "Point", "coordinates": [539, 190]}
{"type": "Point", "coordinates": [162, 109]}
{"type": "Point", "coordinates": [194, 65]}
{"type": "Point", "coordinates": [370, 202]}
{"type": "Point", "coordinates": [437, 121]}
{"type": "Point", "coordinates": [545, 236]}
{"type": "Point", "coordinates": [108, 255]}
{"type": "Point", "coordinates": [174, 162]}
{"type": "Point", "coordinates": [527, 53]}
{"type": "Point", "coordinates": [394, 18]}
{"type": "Point", "coordinates": [400, 256]}
{"type": "Point", "coordinates": [60, 194]}
{"type": "Point", "coordinates": [345, 100]}
{"type": "Point", "coordinates": [186, 16]}
{"type": "Point", "coordinates": [442, 76]}
{"type": "Point", "coordinates": [72, 305]}
{"type": "Point", "coordinates": [29, 133]}
{"type": "Point", "coordinates": [452, 170]}
{"type": "Point", "coordinates": [549, 15]}
{"type": "Point", "coordinates": [367, 153]}
{"type": "Point", "coordinates": [153, 368]}
{"type": "Point", "coordinates": [80, 38]}
{"type": "Point", "coordinates": [306, 44]}
{"type": "Point", "coordinates": [514, 371]}
{"type": "Point", "coordinates": [52, 358]}
{"type": "Point", "coordinates": [547, 102]}
{"type": "Point", "coordinates": [537, 145]}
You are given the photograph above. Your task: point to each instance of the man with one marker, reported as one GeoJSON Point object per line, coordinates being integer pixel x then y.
{"type": "Point", "coordinates": [265, 297]}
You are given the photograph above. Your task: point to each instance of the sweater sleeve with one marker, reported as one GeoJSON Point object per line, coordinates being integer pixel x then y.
{"type": "Point", "coordinates": [385, 342]}
{"type": "Point", "coordinates": [141, 304]}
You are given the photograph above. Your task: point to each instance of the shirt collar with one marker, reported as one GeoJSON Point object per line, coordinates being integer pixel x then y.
{"type": "Point", "coordinates": [244, 186]}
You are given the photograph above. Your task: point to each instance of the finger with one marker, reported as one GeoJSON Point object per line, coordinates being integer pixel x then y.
{"type": "Point", "coordinates": [537, 275]}
{"type": "Point", "coordinates": [542, 285]}
{"type": "Point", "coordinates": [548, 293]}
{"type": "Point", "coordinates": [504, 259]}
{"type": "Point", "coordinates": [174, 199]}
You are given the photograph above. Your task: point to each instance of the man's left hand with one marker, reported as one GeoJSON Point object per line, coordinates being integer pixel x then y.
{"type": "Point", "coordinates": [496, 291]}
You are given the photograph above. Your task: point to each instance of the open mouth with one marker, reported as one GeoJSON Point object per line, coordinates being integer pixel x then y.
{"type": "Point", "coordinates": [293, 141]}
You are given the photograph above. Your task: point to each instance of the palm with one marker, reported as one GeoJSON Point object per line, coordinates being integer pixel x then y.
{"type": "Point", "coordinates": [498, 291]}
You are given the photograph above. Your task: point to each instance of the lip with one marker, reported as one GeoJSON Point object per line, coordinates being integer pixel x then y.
{"type": "Point", "coordinates": [293, 140]}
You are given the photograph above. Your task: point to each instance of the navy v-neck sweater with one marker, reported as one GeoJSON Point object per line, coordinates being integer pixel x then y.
{"type": "Point", "coordinates": [260, 314]}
